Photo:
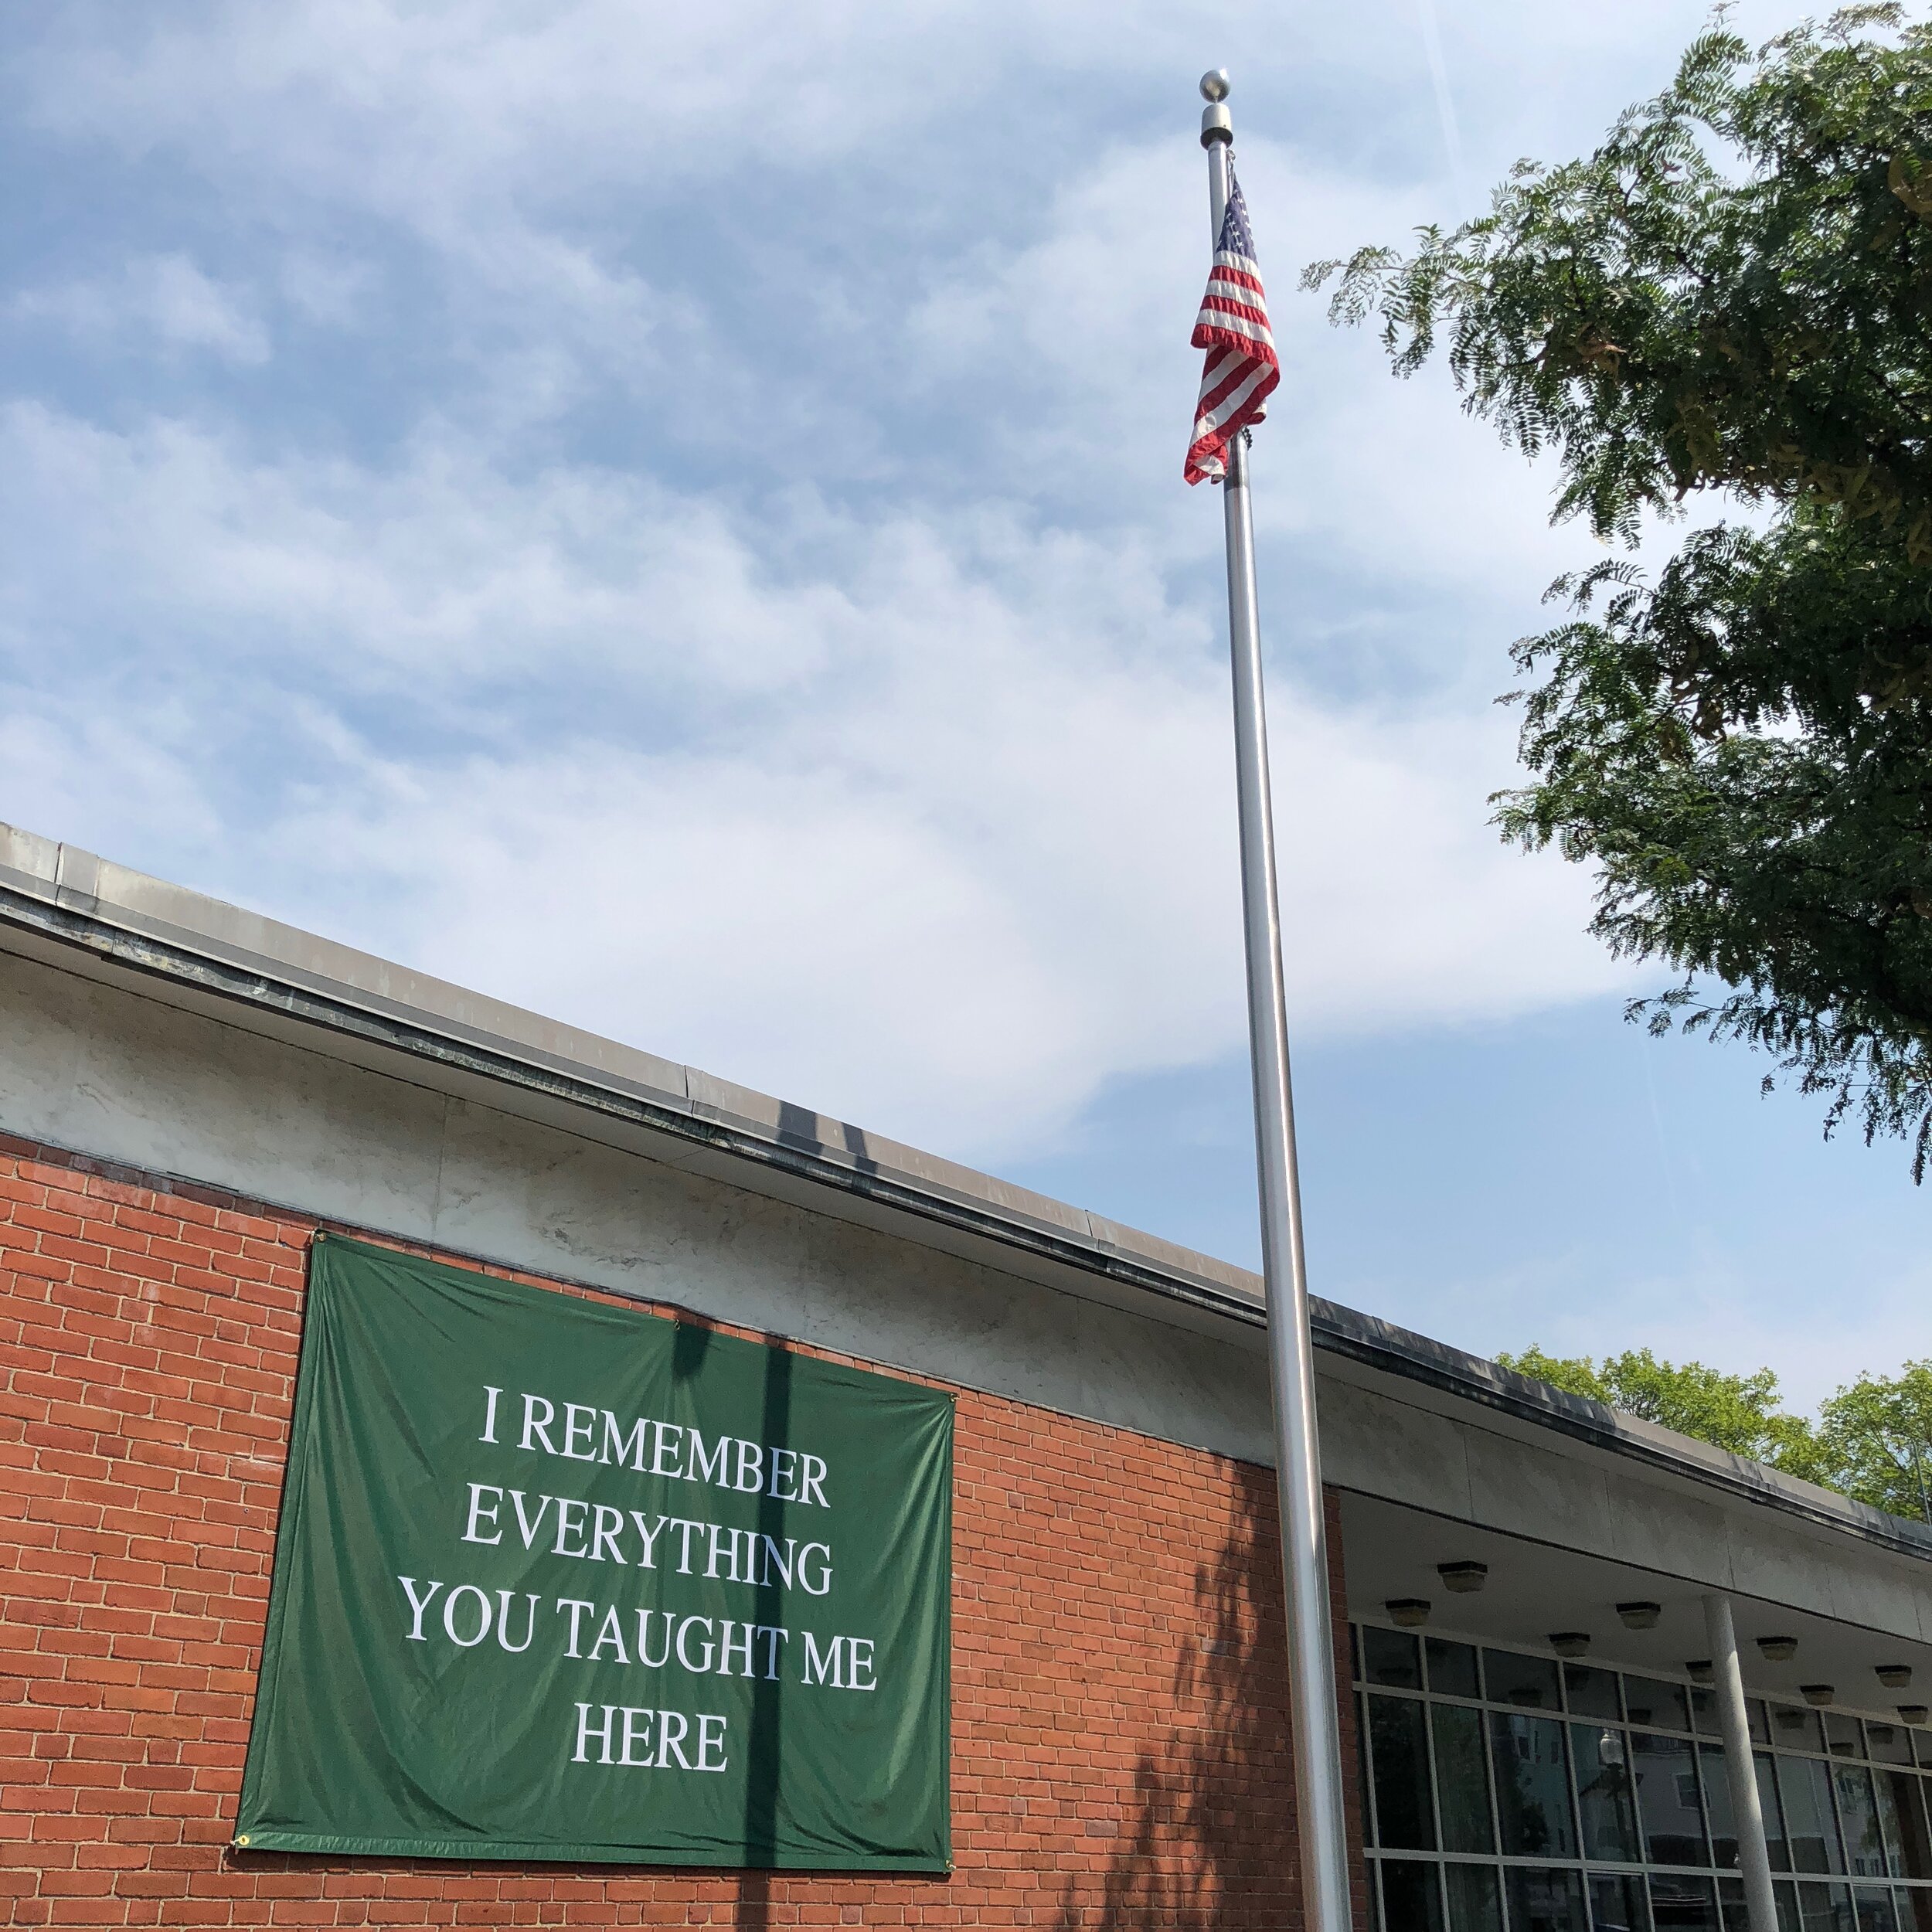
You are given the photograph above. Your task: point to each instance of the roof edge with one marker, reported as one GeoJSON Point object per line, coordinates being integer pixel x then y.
{"type": "Point", "coordinates": [148, 926]}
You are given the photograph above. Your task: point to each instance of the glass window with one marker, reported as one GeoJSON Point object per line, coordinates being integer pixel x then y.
{"type": "Point", "coordinates": [1512, 1679]}
{"type": "Point", "coordinates": [1787, 1918]}
{"type": "Point", "coordinates": [1533, 1788]}
{"type": "Point", "coordinates": [1681, 1903]}
{"type": "Point", "coordinates": [1804, 1785]}
{"type": "Point", "coordinates": [1915, 1909]}
{"type": "Point", "coordinates": [1731, 1907]}
{"type": "Point", "coordinates": [1841, 1735]}
{"type": "Point", "coordinates": [1545, 1901]}
{"type": "Point", "coordinates": [1405, 1818]}
{"type": "Point", "coordinates": [1889, 1828]}
{"type": "Point", "coordinates": [1475, 1898]}
{"type": "Point", "coordinates": [1794, 1729]}
{"type": "Point", "coordinates": [1667, 1804]}
{"type": "Point", "coordinates": [1618, 1902]}
{"type": "Point", "coordinates": [1758, 1719]}
{"type": "Point", "coordinates": [1650, 1703]}
{"type": "Point", "coordinates": [1717, 1805]}
{"type": "Point", "coordinates": [1824, 1908]}
{"type": "Point", "coordinates": [1905, 1796]}
{"type": "Point", "coordinates": [1778, 1851]}
{"type": "Point", "coordinates": [1890, 1743]}
{"type": "Point", "coordinates": [1452, 1668]}
{"type": "Point", "coordinates": [1592, 1693]}
{"type": "Point", "coordinates": [1874, 1909]}
{"type": "Point", "coordinates": [1462, 1781]}
{"type": "Point", "coordinates": [1601, 1757]}
{"type": "Point", "coordinates": [1391, 1657]}
{"type": "Point", "coordinates": [1858, 1816]}
{"type": "Point", "coordinates": [1411, 1896]}
{"type": "Point", "coordinates": [1704, 1718]}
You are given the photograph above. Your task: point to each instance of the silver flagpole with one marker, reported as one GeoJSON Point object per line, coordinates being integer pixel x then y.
{"type": "Point", "coordinates": [1320, 1811]}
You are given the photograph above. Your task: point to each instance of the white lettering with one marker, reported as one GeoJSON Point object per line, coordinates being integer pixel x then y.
{"type": "Point", "coordinates": [478, 1491]}
{"type": "Point", "coordinates": [503, 1624]}
{"type": "Point", "coordinates": [586, 1732]}
{"type": "Point", "coordinates": [705, 1740]}
{"type": "Point", "coordinates": [683, 1630]}
{"type": "Point", "coordinates": [773, 1559]}
{"type": "Point", "coordinates": [809, 1481]}
{"type": "Point", "coordinates": [717, 1532]}
{"type": "Point", "coordinates": [566, 1526]}
{"type": "Point", "coordinates": [751, 1459]}
{"type": "Point", "coordinates": [610, 1634]}
{"type": "Point", "coordinates": [418, 1604]}
{"type": "Point", "coordinates": [675, 1432]}
{"type": "Point", "coordinates": [524, 1523]}
{"type": "Point", "coordinates": [859, 1657]}
{"type": "Point", "coordinates": [773, 1638]}
{"type": "Point", "coordinates": [782, 1470]}
{"type": "Point", "coordinates": [449, 1616]}
{"type": "Point", "coordinates": [573, 1428]}
{"type": "Point", "coordinates": [670, 1742]}
{"type": "Point", "coordinates": [533, 1427]}
{"type": "Point", "coordinates": [684, 1551]}
{"type": "Point", "coordinates": [643, 1639]}
{"type": "Point", "coordinates": [707, 1468]}
{"type": "Point", "coordinates": [824, 1576]}
{"type": "Point", "coordinates": [826, 1669]}
{"type": "Point", "coordinates": [602, 1534]}
{"type": "Point", "coordinates": [649, 1559]}
{"type": "Point", "coordinates": [489, 1414]}
{"type": "Point", "coordinates": [631, 1713]}
{"type": "Point", "coordinates": [615, 1438]}
{"type": "Point", "coordinates": [728, 1648]}
{"type": "Point", "coordinates": [577, 1606]}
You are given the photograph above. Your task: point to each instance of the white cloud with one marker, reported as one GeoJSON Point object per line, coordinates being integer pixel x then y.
{"type": "Point", "coordinates": [163, 301]}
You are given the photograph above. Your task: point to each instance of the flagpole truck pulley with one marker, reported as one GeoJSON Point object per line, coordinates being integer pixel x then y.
{"type": "Point", "coordinates": [1242, 368]}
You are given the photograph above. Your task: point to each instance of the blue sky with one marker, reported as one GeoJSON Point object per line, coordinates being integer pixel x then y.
{"type": "Point", "coordinates": [673, 516]}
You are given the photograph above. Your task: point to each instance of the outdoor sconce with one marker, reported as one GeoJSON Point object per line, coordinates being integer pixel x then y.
{"type": "Point", "coordinates": [1893, 1676]}
{"type": "Point", "coordinates": [1700, 1671]}
{"type": "Point", "coordinates": [1639, 1616]}
{"type": "Point", "coordinates": [1913, 1713]}
{"type": "Point", "coordinates": [1791, 1720]}
{"type": "Point", "coordinates": [1463, 1579]}
{"type": "Point", "coordinates": [1570, 1643]}
{"type": "Point", "coordinates": [1777, 1650]}
{"type": "Point", "coordinates": [1407, 1612]}
{"type": "Point", "coordinates": [1819, 1695]}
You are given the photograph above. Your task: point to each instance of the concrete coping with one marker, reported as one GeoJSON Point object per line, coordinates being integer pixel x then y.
{"type": "Point", "coordinates": [64, 892]}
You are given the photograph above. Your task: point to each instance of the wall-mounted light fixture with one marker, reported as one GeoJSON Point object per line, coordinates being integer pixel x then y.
{"type": "Point", "coordinates": [1700, 1672]}
{"type": "Point", "coordinates": [1639, 1616]}
{"type": "Point", "coordinates": [1893, 1676]}
{"type": "Point", "coordinates": [1407, 1612]}
{"type": "Point", "coordinates": [1818, 1694]}
{"type": "Point", "coordinates": [1570, 1643]}
{"type": "Point", "coordinates": [1913, 1713]}
{"type": "Point", "coordinates": [1465, 1579]}
{"type": "Point", "coordinates": [1777, 1650]}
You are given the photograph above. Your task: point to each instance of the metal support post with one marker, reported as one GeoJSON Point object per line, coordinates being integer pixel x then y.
{"type": "Point", "coordinates": [1320, 1794]}
{"type": "Point", "coordinates": [1759, 1901]}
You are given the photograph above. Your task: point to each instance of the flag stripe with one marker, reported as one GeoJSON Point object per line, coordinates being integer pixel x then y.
{"type": "Point", "coordinates": [1242, 367]}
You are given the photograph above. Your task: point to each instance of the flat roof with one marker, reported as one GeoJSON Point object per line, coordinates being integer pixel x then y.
{"type": "Point", "coordinates": [142, 928]}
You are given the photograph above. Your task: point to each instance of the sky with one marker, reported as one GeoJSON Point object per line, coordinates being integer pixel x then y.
{"type": "Point", "coordinates": [673, 516]}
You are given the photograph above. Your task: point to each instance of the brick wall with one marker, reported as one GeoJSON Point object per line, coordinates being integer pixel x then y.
{"type": "Point", "coordinates": [1120, 1731]}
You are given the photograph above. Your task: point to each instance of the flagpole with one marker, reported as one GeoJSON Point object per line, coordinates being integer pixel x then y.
{"type": "Point", "coordinates": [1321, 1814]}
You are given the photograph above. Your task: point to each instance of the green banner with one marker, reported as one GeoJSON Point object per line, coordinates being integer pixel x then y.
{"type": "Point", "coordinates": [555, 1579]}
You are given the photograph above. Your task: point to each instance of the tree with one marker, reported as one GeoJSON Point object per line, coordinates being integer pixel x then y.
{"type": "Point", "coordinates": [1875, 1438]}
{"type": "Point", "coordinates": [1742, 1413]}
{"type": "Point", "coordinates": [1872, 1441]}
{"type": "Point", "coordinates": [1733, 295]}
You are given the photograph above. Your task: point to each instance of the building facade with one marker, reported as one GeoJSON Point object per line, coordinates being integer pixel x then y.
{"type": "Point", "coordinates": [191, 1096]}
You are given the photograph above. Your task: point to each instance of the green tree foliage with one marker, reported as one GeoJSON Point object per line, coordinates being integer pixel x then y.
{"type": "Point", "coordinates": [1872, 1441]}
{"type": "Point", "coordinates": [1742, 1413]}
{"type": "Point", "coordinates": [1733, 295]}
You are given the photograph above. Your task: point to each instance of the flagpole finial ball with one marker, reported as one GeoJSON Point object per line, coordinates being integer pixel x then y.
{"type": "Point", "coordinates": [1215, 85]}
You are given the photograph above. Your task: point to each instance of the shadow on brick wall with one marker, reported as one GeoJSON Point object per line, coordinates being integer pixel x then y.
{"type": "Point", "coordinates": [1211, 1845]}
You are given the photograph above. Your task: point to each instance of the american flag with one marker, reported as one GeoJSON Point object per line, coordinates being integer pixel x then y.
{"type": "Point", "coordinates": [1242, 367]}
